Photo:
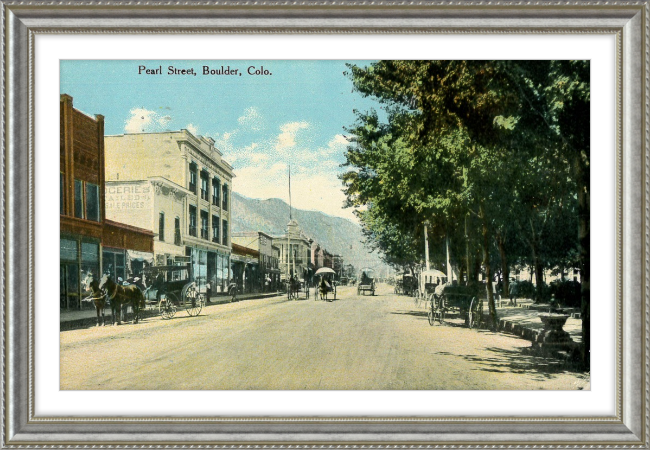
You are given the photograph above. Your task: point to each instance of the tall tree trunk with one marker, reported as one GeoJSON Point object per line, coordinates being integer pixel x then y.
{"type": "Point", "coordinates": [537, 264]}
{"type": "Point", "coordinates": [488, 270]}
{"type": "Point", "coordinates": [582, 177]}
{"type": "Point", "coordinates": [505, 270]}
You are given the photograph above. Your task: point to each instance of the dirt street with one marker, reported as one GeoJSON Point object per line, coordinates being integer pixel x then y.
{"type": "Point", "coordinates": [355, 342]}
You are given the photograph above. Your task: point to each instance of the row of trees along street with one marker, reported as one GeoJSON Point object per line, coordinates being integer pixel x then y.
{"type": "Point", "coordinates": [493, 154]}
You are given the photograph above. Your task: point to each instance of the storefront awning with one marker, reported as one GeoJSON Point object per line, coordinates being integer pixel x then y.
{"type": "Point", "coordinates": [135, 255]}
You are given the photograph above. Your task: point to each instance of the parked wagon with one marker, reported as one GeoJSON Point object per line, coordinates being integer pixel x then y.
{"type": "Point", "coordinates": [463, 300]}
{"type": "Point", "coordinates": [366, 282]}
{"type": "Point", "coordinates": [173, 288]}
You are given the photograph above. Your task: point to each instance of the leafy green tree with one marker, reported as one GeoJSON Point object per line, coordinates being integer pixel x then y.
{"type": "Point", "coordinates": [472, 141]}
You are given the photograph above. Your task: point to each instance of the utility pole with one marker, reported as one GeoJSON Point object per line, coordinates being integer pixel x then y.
{"type": "Point", "coordinates": [426, 244]}
{"type": "Point", "coordinates": [449, 273]}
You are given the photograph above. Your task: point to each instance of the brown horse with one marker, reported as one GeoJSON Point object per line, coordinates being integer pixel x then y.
{"type": "Point", "coordinates": [98, 297]}
{"type": "Point", "coordinates": [122, 296]}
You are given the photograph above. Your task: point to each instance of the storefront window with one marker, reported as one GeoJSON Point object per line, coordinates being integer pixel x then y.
{"type": "Point", "coordinates": [89, 259]}
{"type": "Point", "coordinates": [68, 250]}
{"type": "Point", "coordinates": [113, 262]}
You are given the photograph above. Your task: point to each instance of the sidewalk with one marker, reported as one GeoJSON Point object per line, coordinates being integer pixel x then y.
{"type": "Point", "coordinates": [523, 320]}
{"type": "Point", "coordinates": [71, 320]}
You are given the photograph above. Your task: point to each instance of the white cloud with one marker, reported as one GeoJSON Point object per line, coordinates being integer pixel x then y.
{"type": "Point", "coordinates": [251, 119]}
{"type": "Point", "coordinates": [287, 137]}
{"type": "Point", "coordinates": [142, 120]}
{"type": "Point", "coordinates": [192, 129]}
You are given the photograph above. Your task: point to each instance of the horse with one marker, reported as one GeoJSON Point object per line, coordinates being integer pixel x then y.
{"type": "Point", "coordinates": [98, 297]}
{"type": "Point", "coordinates": [323, 288]}
{"type": "Point", "coordinates": [121, 296]}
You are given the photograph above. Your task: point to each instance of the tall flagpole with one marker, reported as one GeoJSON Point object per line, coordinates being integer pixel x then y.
{"type": "Point", "coordinates": [288, 228]}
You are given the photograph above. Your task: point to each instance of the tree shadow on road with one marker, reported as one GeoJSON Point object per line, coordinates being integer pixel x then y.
{"type": "Point", "coordinates": [411, 313]}
{"type": "Point", "coordinates": [520, 361]}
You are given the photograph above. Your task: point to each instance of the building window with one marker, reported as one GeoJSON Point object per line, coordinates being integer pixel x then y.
{"type": "Point", "coordinates": [193, 170]}
{"type": "Point", "coordinates": [78, 199]}
{"type": "Point", "coordinates": [193, 221]}
{"type": "Point", "coordinates": [225, 232]}
{"type": "Point", "coordinates": [177, 231]}
{"type": "Point", "coordinates": [225, 197]}
{"type": "Point", "coordinates": [204, 225]}
{"type": "Point", "coordinates": [161, 227]}
{"type": "Point", "coordinates": [92, 202]}
{"type": "Point", "coordinates": [216, 188]}
{"type": "Point", "coordinates": [215, 229]}
{"type": "Point", "coordinates": [204, 186]}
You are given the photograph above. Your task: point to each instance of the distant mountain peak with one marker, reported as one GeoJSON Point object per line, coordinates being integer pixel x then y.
{"type": "Point", "coordinates": [338, 235]}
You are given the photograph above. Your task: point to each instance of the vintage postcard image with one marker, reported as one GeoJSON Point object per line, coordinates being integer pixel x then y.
{"type": "Point", "coordinates": [324, 225]}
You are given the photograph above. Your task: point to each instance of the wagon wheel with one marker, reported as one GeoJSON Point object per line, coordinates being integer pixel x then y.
{"type": "Point", "coordinates": [442, 306]}
{"type": "Point", "coordinates": [471, 315]}
{"type": "Point", "coordinates": [193, 301]}
{"type": "Point", "coordinates": [167, 306]}
{"type": "Point", "coordinates": [431, 317]}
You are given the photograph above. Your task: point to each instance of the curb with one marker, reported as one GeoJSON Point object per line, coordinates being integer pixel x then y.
{"type": "Point", "coordinates": [89, 322]}
{"type": "Point", "coordinates": [567, 356]}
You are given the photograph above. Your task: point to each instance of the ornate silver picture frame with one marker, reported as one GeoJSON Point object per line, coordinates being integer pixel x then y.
{"type": "Point", "coordinates": [627, 21]}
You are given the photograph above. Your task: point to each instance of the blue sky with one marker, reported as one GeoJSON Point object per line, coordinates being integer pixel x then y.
{"type": "Point", "coordinates": [261, 123]}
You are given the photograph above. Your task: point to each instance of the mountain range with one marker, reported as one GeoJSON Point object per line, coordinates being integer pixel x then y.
{"type": "Point", "coordinates": [338, 235]}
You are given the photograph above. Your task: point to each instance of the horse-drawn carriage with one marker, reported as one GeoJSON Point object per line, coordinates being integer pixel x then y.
{"type": "Point", "coordinates": [173, 288]}
{"type": "Point", "coordinates": [406, 284]}
{"type": "Point", "coordinates": [366, 282]}
{"type": "Point", "coordinates": [297, 289]}
{"type": "Point", "coordinates": [447, 298]}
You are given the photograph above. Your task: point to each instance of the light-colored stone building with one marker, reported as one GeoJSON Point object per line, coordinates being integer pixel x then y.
{"type": "Point", "coordinates": [295, 250]}
{"type": "Point", "coordinates": [187, 203]}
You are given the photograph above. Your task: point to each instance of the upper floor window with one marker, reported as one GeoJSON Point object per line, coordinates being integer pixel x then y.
{"type": "Point", "coordinates": [86, 200]}
{"type": "Point", "coordinates": [225, 197]}
{"type": "Point", "coordinates": [225, 232]}
{"type": "Point", "coordinates": [215, 229]}
{"type": "Point", "coordinates": [192, 230]}
{"type": "Point", "coordinates": [92, 202]}
{"type": "Point", "coordinates": [204, 186]}
{"type": "Point", "coordinates": [161, 226]}
{"type": "Point", "coordinates": [216, 189]}
{"type": "Point", "coordinates": [204, 225]}
{"type": "Point", "coordinates": [177, 231]}
{"type": "Point", "coordinates": [78, 199]}
{"type": "Point", "coordinates": [193, 170]}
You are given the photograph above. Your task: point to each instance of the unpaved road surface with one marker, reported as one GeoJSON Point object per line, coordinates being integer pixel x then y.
{"type": "Point", "coordinates": [355, 342]}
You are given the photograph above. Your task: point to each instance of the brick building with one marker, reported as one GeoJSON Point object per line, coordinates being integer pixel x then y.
{"type": "Point", "coordinates": [85, 234]}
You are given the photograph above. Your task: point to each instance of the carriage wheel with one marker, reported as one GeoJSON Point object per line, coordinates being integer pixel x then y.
{"type": "Point", "coordinates": [441, 316]}
{"type": "Point", "coordinates": [472, 316]}
{"type": "Point", "coordinates": [193, 301]}
{"type": "Point", "coordinates": [167, 307]}
{"type": "Point", "coordinates": [195, 305]}
{"type": "Point", "coordinates": [417, 299]}
{"type": "Point", "coordinates": [431, 318]}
